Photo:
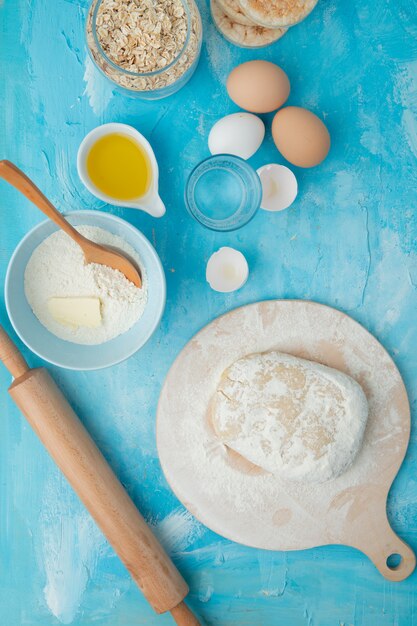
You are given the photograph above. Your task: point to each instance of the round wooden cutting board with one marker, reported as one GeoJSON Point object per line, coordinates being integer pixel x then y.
{"type": "Point", "coordinates": [260, 509]}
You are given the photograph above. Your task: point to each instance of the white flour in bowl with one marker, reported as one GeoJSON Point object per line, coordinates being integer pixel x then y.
{"type": "Point", "coordinates": [57, 269]}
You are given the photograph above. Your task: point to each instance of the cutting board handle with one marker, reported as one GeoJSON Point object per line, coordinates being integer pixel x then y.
{"type": "Point", "coordinates": [390, 554]}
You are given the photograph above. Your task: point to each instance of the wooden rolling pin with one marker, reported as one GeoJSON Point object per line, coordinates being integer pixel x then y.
{"type": "Point", "coordinates": [89, 474]}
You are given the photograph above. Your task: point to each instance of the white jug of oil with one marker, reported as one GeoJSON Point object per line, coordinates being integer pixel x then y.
{"type": "Point", "coordinates": [117, 164]}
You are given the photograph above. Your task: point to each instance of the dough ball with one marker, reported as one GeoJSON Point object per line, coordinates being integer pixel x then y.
{"type": "Point", "coordinates": [297, 419]}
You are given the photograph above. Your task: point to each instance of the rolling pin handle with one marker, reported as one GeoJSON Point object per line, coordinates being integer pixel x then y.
{"type": "Point", "coordinates": [11, 356]}
{"type": "Point", "coordinates": [71, 447]}
{"type": "Point", "coordinates": [183, 616]}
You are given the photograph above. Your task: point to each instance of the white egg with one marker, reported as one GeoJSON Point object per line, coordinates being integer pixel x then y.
{"type": "Point", "coordinates": [227, 270]}
{"type": "Point", "coordinates": [279, 187]}
{"type": "Point", "coordinates": [239, 134]}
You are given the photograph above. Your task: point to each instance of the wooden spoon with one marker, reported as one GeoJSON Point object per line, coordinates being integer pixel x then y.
{"type": "Point", "coordinates": [93, 252]}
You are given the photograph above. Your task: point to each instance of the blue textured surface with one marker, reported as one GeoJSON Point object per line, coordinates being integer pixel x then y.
{"type": "Point", "coordinates": [348, 241]}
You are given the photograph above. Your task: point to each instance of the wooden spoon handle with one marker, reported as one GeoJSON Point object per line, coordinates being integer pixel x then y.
{"type": "Point", "coordinates": [22, 183]}
{"type": "Point", "coordinates": [11, 356]}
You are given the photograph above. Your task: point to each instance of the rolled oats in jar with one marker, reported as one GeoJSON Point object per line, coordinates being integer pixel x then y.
{"type": "Point", "coordinates": [148, 47]}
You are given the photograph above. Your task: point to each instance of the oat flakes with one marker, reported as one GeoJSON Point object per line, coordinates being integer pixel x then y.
{"type": "Point", "coordinates": [141, 38]}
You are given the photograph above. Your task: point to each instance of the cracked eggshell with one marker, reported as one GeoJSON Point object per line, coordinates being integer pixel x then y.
{"type": "Point", "coordinates": [279, 187]}
{"type": "Point", "coordinates": [227, 270]}
{"type": "Point", "coordinates": [240, 134]}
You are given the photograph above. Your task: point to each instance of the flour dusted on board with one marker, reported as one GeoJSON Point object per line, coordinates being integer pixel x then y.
{"type": "Point", "coordinates": [260, 508]}
{"type": "Point", "coordinates": [57, 269]}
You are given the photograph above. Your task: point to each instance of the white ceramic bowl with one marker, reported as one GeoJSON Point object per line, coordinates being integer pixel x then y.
{"type": "Point", "coordinates": [71, 355]}
{"type": "Point", "coordinates": [151, 202]}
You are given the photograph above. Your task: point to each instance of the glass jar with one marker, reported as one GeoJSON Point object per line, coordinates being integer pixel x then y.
{"type": "Point", "coordinates": [174, 66]}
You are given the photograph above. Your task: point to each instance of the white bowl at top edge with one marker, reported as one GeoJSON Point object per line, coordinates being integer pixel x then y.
{"type": "Point", "coordinates": [107, 129]}
{"type": "Point", "coordinates": [65, 353]}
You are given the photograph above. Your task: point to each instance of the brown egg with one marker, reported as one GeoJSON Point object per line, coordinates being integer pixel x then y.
{"type": "Point", "coordinates": [300, 136]}
{"type": "Point", "coordinates": [258, 86]}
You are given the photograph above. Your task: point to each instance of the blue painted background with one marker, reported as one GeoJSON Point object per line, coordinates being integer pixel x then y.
{"type": "Point", "coordinates": [348, 241]}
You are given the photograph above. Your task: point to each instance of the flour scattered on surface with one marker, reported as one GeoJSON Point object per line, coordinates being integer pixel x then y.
{"type": "Point", "coordinates": [66, 565]}
{"type": "Point", "coordinates": [57, 269]}
{"type": "Point", "coordinates": [410, 127]}
{"type": "Point", "coordinates": [178, 530]}
{"type": "Point", "coordinates": [404, 93]}
{"type": "Point", "coordinates": [219, 55]}
{"type": "Point", "coordinates": [97, 89]}
{"type": "Point", "coordinates": [70, 546]}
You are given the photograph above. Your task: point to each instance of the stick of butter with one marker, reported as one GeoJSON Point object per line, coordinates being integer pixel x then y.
{"type": "Point", "coordinates": [76, 311]}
